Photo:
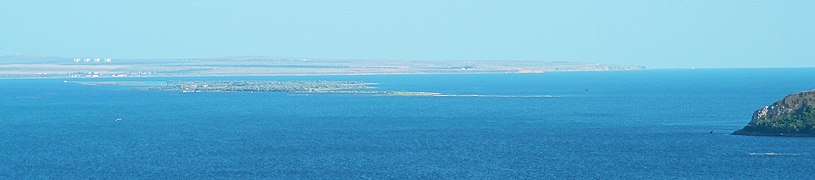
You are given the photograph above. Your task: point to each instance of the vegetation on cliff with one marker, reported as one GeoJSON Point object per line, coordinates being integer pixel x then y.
{"type": "Point", "coordinates": [792, 116]}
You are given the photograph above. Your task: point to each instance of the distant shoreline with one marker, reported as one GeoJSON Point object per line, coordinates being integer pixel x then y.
{"type": "Point", "coordinates": [268, 75]}
{"type": "Point", "coordinates": [754, 133]}
{"type": "Point", "coordinates": [296, 75]}
{"type": "Point", "coordinates": [51, 67]}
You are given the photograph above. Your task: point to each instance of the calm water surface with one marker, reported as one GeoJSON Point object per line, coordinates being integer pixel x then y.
{"type": "Point", "coordinates": [652, 124]}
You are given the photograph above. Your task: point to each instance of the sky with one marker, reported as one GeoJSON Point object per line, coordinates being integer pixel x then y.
{"type": "Point", "coordinates": [654, 33]}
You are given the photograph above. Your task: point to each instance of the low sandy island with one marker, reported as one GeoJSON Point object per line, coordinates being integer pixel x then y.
{"type": "Point", "coordinates": [295, 87]}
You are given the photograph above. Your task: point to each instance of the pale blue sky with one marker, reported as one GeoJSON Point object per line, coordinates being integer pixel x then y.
{"type": "Point", "coordinates": [655, 33]}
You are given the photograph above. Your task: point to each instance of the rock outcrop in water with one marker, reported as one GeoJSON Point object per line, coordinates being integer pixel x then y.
{"type": "Point", "coordinates": [792, 116]}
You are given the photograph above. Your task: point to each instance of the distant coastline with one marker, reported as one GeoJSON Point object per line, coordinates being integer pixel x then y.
{"type": "Point", "coordinates": [17, 67]}
{"type": "Point", "coordinates": [756, 133]}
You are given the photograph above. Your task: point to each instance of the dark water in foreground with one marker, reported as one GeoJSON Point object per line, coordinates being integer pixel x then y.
{"type": "Point", "coordinates": [648, 124]}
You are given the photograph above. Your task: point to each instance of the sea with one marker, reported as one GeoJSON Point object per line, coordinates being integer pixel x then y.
{"type": "Point", "coordinates": [651, 124]}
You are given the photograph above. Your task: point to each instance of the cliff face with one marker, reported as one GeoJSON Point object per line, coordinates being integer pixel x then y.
{"type": "Point", "coordinates": [792, 116]}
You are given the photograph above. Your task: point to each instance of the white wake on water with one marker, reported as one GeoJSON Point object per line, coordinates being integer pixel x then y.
{"type": "Point", "coordinates": [772, 154]}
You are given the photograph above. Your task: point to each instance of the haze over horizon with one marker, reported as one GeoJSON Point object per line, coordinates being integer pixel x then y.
{"type": "Point", "coordinates": [657, 34]}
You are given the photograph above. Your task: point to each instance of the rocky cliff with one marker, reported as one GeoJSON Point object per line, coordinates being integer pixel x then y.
{"type": "Point", "coordinates": [792, 116]}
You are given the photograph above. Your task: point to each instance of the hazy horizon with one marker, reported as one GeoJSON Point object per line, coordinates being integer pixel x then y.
{"type": "Point", "coordinates": [420, 89]}
{"type": "Point", "coordinates": [681, 34]}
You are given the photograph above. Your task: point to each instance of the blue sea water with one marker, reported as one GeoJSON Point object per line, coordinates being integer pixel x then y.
{"type": "Point", "coordinates": [653, 124]}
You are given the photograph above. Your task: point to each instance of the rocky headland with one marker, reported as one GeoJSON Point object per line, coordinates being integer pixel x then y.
{"type": "Point", "coordinates": [792, 116]}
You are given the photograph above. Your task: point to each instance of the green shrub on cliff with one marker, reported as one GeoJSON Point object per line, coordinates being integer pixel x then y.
{"type": "Point", "coordinates": [801, 122]}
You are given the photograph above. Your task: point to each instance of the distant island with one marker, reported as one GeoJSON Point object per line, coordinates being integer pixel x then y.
{"type": "Point", "coordinates": [792, 116]}
{"type": "Point", "coordinates": [292, 87]}
{"type": "Point", "coordinates": [261, 86]}
{"type": "Point", "coordinates": [302, 87]}
{"type": "Point", "coordinates": [19, 66]}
